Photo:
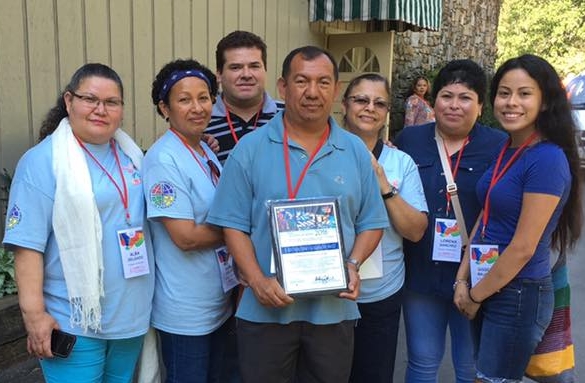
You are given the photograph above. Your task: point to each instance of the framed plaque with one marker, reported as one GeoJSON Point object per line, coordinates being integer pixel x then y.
{"type": "Point", "coordinates": [307, 244]}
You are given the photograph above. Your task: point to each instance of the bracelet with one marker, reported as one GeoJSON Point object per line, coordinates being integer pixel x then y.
{"type": "Point", "coordinates": [471, 298]}
{"type": "Point", "coordinates": [458, 281]}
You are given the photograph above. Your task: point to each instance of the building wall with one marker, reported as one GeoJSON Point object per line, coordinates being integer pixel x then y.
{"type": "Point", "coordinates": [468, 30]}
{"type": "Point", "coordinates": [43, 42]}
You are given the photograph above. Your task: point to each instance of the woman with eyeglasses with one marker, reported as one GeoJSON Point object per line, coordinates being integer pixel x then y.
{"type": "Point", "coordinates": [194, 273]}
{"type": "Point", "coordinates": [432, 263]}
{"type": "Point", "coordinates": [365, 103]}
{"type": "Point", "coordinates": [77, 225]}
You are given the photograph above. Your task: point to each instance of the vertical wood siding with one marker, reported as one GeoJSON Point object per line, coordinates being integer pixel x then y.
{"type": "Point", "coordinates": [42, 42]}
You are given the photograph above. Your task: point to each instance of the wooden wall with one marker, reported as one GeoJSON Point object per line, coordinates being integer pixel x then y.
{"type": "Point", "coordinates": [42, 42]}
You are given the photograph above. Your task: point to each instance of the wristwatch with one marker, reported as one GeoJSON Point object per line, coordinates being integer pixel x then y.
{"type": "Point", "coordinates": [393, 191]}
{"type": "Point", "coordinates": [354, 262]}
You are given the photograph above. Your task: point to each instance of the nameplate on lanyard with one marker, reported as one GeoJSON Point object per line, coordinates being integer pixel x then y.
{"type": "Point", "coordinates": [447, 240]}
{"type": "Point", "coordinates": [481, 260]}
{"type": "Point", "coordinates": [227, 271]}
{"type": "Point", "coordinates": [133, 251]}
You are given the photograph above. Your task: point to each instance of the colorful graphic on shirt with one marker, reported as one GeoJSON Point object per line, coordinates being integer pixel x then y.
{"type": "Point", "coordinates": [131, 169]}
{"type": "Point", "coordinates": [447, 231]}
{"type": "Point", "coordinates": [163, 195]}
{"type": "Point", "coordinates": [14, 217]}
{"type": "Point", "coordinates": [134, 241]}
{"type": "Point", "coordinates": [489, 257]}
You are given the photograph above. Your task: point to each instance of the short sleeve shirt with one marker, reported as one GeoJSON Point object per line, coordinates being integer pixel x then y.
{"type": "Point", "coordinates": [255, 174]}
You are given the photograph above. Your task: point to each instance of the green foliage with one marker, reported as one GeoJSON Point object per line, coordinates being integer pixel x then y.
{"type": "Point", "coordinates": [552, 29]}
{"type": "Point", "coordinates": [7, 280]}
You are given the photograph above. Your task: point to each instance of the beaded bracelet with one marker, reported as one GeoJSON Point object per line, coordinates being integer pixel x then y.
{"type": "Point", "coordinates": [458, 281]}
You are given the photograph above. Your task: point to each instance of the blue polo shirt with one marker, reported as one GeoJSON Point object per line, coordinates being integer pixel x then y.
{"type": "Point", "coordinates": [423, 275]}
{"type": "Point", "coordinates": [254, 174]}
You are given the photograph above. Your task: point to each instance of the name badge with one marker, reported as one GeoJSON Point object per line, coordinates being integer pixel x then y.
{"type": "Point", "coordinates": [483, 257]}
{"type": "Point", "coordinates": [133, 252]}
{"type": "Point", "coordinates": [227, 271]}
{"type": "Point", "coordinates": [447, 240]}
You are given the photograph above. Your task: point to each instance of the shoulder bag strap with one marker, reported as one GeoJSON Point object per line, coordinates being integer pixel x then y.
{"type": "Point", "coordinates": [452, 189]}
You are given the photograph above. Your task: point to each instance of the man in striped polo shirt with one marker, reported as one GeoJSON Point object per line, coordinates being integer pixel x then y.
{"type": "Point", "coordinates": [243, 104]}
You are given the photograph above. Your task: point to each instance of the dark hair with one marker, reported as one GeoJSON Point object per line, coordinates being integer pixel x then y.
{"type": "Point", "coordinates": [59, 111]}
{"type": "Point", "coordinates": [376, 77]}
{"type": "Point", "coordinates": [238, 39]}
{"type": "Point", "coordinates": [366, 77]}
{"type": "Point", "coordinates": [412, 89]}
{"type": "Point", "coordinates": [179, 65]}
{"type": "Point", "coordinates": [465, 72]}
{"type": "Point", "coordinates": [554, 123]}
{"type": "Point", "coordinates": [308, 53]}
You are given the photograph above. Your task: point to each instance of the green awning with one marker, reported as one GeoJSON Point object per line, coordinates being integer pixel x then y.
{"type": "Point", "coordinates": [419, 13]}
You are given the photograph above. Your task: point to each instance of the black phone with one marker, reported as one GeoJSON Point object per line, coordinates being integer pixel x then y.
{"type": "Point", "coordinates": [62, 343]}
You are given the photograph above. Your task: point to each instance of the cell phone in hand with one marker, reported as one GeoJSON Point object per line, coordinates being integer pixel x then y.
{"type": "Point", "coordinates": [62, 343]}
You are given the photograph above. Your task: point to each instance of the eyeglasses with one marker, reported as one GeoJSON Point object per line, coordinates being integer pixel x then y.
{"type": "Point", "coordinates": [93, 102]}
{"type": "Point", "coordinates": [364, 101]}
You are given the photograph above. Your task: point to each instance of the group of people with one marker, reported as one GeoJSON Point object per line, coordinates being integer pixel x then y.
{"type": "Point", "coordinates": [79, 196]}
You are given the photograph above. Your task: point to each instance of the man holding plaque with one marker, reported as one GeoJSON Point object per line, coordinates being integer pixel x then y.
{"type": "Point", "coordinates": [300, 155]}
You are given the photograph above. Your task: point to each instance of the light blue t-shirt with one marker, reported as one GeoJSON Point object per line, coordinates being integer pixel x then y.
{"type": "Point", "coordinates": [188, 295]}
{"type": "Point", "coordinates": [255, 173]}
{"type": "Point", "coordinates": [402, 173]}
{"type": "Point", "coordinates": [127, 302]}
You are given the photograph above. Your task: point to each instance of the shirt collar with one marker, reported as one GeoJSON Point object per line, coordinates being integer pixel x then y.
{"type": "Point", "coordinates": [268, 107]}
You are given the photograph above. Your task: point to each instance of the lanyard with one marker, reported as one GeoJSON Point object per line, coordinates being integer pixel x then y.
{"type": "Point", "coordinates": [122, 192]}
{"type": "Point", "coordinates": [293, 193]}
{"type": "Point", "coordinates": [454, 172]}
{"type": "Point", "coordinates": [231, 126]}
{"type": "Point", "coordinates": [213, 169]}
{"type": "Point", "coordinates": [497, 175]}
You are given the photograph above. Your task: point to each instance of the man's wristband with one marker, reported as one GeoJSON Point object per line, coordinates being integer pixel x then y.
{"type": "Point", "coordinates": [458, 281]}
{"type": "Point", "coordinates": [471, 298]}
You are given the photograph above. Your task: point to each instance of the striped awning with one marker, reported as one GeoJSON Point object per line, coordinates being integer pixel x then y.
{"type": "Point", "coordinates": [420, 13]}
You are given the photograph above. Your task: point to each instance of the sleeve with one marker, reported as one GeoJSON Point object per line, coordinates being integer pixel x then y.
{"type": "Point", "coordinates": [372, 214]}
{"type": "Point", "coordinates": [30, 207]}
{"type": "Point", "coordinates": [232, 203]}
{"type": "Point", "coordinates": [411, 189]}
{"type": "Point", "coordinates": [547, 172]}
{"type": "Point", "coordinates": [166, 188]}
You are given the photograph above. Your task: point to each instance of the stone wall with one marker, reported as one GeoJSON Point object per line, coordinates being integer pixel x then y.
{"type": "Point", "coordinates": [469, 30]}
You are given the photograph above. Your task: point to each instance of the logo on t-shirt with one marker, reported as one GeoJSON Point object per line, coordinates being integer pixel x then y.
{"type": "Point", "coordinates": [14, 216]}
{"type": "Point", "coordinates": [163, 195]}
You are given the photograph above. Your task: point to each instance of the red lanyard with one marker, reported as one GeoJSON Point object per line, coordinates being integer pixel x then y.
{"type": "Point", "coordinates": [454, 172]}
{"type": "Point", "coordinates": [213, 169]}
{"type": "Point", "coordinates": [123, 192]}
{"type": "Point", "coordinates": [231, 126]}
{"type": "Point", "coordinates": [497, 175]}
{"type": "Point", "coordinates": [293, 194]}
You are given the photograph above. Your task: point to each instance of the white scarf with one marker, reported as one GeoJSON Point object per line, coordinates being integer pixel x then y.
{"type": "Point", "coordinates": [77, 224]}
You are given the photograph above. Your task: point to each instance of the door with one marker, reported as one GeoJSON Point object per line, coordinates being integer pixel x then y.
{"type": "Point", "coordinates": [358, 53]}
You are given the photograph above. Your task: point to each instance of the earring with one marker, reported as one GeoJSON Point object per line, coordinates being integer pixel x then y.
{"type": "Point", "coordinates": [166, 119]}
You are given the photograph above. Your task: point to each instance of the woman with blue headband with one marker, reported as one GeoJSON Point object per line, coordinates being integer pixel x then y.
{"type": "Point", "coordinates": [193, 270]}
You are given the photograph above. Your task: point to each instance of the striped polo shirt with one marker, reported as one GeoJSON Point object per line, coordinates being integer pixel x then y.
{"type": "Point", "coordinates": [219, 128]}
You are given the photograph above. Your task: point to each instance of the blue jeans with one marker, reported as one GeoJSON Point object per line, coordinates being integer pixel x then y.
{"type": "Point", "coordinates": [375, 338]}
{"type": "Point", "coordinates": [95, 361]}
{"type": "Point", "coordinates": [511, 323]}
{"type": "Point", "coordinates": [426, 319]}
{"type": "Point", "coordinates": [193, 359]}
